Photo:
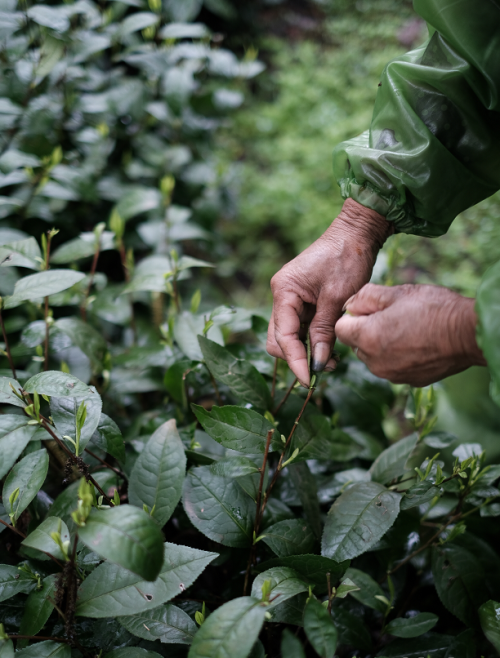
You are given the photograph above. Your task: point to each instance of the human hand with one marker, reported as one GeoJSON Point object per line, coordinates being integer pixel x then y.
{"type": "Point", "coordinates": [411, 334]}
{"type": "Point", "coordinates": [313, 287]}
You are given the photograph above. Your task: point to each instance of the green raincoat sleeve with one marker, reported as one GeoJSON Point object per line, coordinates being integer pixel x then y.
{"type": "Point", "coordinates": [433, 147]}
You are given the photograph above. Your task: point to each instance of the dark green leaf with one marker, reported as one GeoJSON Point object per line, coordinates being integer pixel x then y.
{"type": "Point", "coordinates": [67, 500]}
{"type": "Point", "coordinates": [132, 652]}
{"type": "Point", "coordinates": [112, 591]}
{"type": "Point", "coordinates": [158, 473]}
{"type": "Point", "coordinates": [291, 646]}
{"type": "Point", "coordinates": [28, 475]}
{"type": "Point", "coordinates": [358, 519]}
{"type": "Point", "coordinates": [58, 384]}
{"type": "Point", "coordinates": [218, 507]}
{"type": "Point", "coordinates": [462, 646]}
{"type": "Point", "coordinates": [38, 607]}
{"type": "Point", "coordinates": [15, 434]}
{"type": "Point", "coordinates": [46, 649]}
{"type": "Point", "coordinates": [421, 493]}
{"type": "Point", "coordinates": [290, 537]}
{"type": "Point", "coordinates": [412, 627]}
{"type": "Point", "coordinates": [240, 376]}
{"type": "Point", "coordinates": [64, 411]}
{"type": "Point", "coordinates": [13, 581]}
{"type": "Point", "coordinates": [41, 540]}
{"type": "Point", "coordinates": [22, 253]}
{"type": "Point", "coordinates": [311, 568]}
{"type": "Point", "coordinates": [229, 631]}
{"type": "Point", "coordinates": [234, 467]}
{"type": "Point", "coordinates": [237, 428]}
{"type": "Point", "coordinates": [167, 623]}
{"type": "Point", "coordinates": [351, 629]}
{"type": "Point", "coordinates": [305, 485]}
{"type": "Point", "coordinates": [433, 646]}
{"type": "Point", "coordinates": [320, 629]}
{"type": "Point", "coordinates": [108, 437]}
{"type": "Point", "coordinates": [88, 339]}
{"type": "Point", "coordinates": [126, 536]}
{"type": "Point", "coordinates": [42, 284]}
{"type": "Point", "coordinates": [391, 463]}
{"type": "Point", "coordinates": [315, 439]}
{"type": "Point", "coordinates": [368, 589]}
{"type": "Point", "coordinates": [285, 583]}
{"type": "Point", "coordinates": [460, 580]}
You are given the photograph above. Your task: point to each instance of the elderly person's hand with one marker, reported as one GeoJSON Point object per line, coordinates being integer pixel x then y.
{"type": "Point", "coordinates": [313, 287]}
{"type": "Point", "coordinates": [411, 334]}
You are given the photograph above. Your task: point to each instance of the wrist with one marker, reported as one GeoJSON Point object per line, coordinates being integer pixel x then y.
{"type": "Point", "coordinates": [464, 328]}
{"type": "Point", "coordinates": [366, 226]}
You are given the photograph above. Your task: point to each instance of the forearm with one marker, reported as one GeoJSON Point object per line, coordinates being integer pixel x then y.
{"type": "Point", "coordinates": [463, 325]}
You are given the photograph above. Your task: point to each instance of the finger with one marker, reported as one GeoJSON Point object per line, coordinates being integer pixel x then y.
{"type": "Point", "coordinates": [322, 330]}
{"type": "Point", "coordinates": [330, 366]}
{"type": "Point", "coordinates": [287, 312]}
{"type": "Point", "coordinates": [351, 330]}
{"type": "Point", "coordinates": [272, 346]}
{"type": "Point", "coordinates": [373, 298]}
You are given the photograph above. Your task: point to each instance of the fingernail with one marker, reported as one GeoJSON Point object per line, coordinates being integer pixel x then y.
{"type": "Point", "coordinates": [344, 308]}
{"type": "Point", "coordinates": [321, 355]}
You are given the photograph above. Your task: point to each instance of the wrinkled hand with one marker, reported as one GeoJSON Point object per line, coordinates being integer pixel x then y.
{"type": "Point", "coordinates": [313, 287]}
{"type": "Point", "coordinates": [411, 334]}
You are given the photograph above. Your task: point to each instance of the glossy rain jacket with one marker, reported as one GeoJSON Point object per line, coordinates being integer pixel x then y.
{"type": "Point", "coordinates": [433, 147]}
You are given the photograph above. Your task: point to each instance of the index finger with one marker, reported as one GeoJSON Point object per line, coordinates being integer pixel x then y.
{"type": "Point", "coordinates": [286, 315]}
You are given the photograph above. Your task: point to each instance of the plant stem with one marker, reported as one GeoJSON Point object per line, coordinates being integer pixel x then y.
{"type": "Point", "coordinates": [275, 373]}
{"type": "Point", "coordinates": [216, 388]}
{"type": "Point", "coordinates": [330, 597]}
{"type": "Point", "coordinates": [126, 274]}
{"type": "Point", "coordinates": [7, 348]}
{"type": "Point", "coordinates": [176, 294]}
{"type": "Point", "coordinates": [258, 514]}
{"type": "Point", "coordinates": [287, 395]}
{"type": "Point", "coordinates": [83, 307]}
{"type": "Point", "coordinates": [277, 471]}
{"type": "Point", "coordinates": [105, 463]}
{"type": "Point", "coordinates": [46, 306]}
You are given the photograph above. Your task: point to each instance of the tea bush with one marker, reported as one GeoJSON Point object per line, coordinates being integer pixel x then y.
{"type": "Point", "coordinates": [167, 490]}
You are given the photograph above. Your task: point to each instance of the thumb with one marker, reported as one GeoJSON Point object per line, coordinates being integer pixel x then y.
{"type": "Point", "coordinates": [373, 298]}
{"type": "Point", "coordinates": [322, 330]}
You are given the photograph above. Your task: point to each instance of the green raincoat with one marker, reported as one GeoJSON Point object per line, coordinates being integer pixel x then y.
{"type": "Point", "coordinates": [433, 147]}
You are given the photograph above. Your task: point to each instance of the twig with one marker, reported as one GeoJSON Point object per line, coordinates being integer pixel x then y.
{"type": "Point", "coordinates": [46, 307]}
{"type": "Point", "coordinates": [126, 274]}
{"type": "Point", "coordinates": [275, 372]}
{"type": "Point", "coordinates": [287, 395]}
{"type": "Point", "coordinates": [216, 388]}
{"type": "Point", "coordinates": [277, 471]}
{"type": "Point", "coordinates": [330, 597]}
{"type": "Point", "coordinates": [176, 295]}
{"type": "Point", "coordinates": [7, 348]}
{"type": "Point", "coordinates": [83, 307]}
{"type": "Point", "coordinates": [258, 515]}
{"type": "Point", "coordinates": [105, 463]}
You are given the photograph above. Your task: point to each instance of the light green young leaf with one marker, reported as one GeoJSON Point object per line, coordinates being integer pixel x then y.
{"type": "Point", "coordinates": [229, 631]}
{"type": "Point", "coordinates": [412, 627]}
{"type": "Point", "coordinates": [242, 378]}
{"type": "Point", "coordinates": [57, 384]}
{"type": "Point", "coordinates": [167, 623]}
{"type": "Point", "coordinates": [126, 536]}
{"type": "Point", "coordinates": [320, 629]}
{"type": "Point", "coordinates": [41, 539]}
{"type": "Point", "coordinates": [285, 583]}
{"type": "Point", "coordinates": [111, 591]}
{"type": "Point", "coordinates": [158, 473]}
{"type": "Point", "coordinates": [28, 475]}
{"type": "Point", "coordinates": [237, 428]}
{"type": "Point", "coordinates": [391, 463]}
{"type": "Point", "coordinates": [15, 434]}
{"type": "Point", "coordinates": [358, 519]}
{"type": "Point", "coordinates": [218, 507]}
{"type": "Point", "coordinates": [38, 607]}
{"type": "Point", "coordinates": [13, 581]}
{"type": "Point", "coordinates": [42, 284]}
{"type": "Point", "coordinates": [289, 537]}
{"type": "Point", "coordinates": [22, 253]}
